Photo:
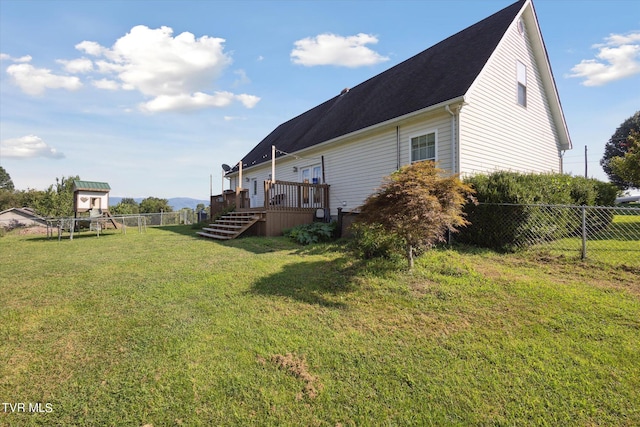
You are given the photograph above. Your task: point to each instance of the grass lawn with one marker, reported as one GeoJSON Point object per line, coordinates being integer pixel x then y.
{"type": "Point", "coordinates": [618, 244]}
{"type": "Point", "coordinates": [163, 328]}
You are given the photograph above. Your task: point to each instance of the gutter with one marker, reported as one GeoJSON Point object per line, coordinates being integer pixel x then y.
{"type": "Point", "coordinates": [397, 147]}
{"type": "Point", "coordinates": [398, 119]}
{"type": "Point", "coordinates": [455, 137]}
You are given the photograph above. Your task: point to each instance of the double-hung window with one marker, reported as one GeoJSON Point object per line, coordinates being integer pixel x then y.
{"type": "Point", "coordinates": [521, 76]}
{"type": "Point", "coordinates": [423, 147]}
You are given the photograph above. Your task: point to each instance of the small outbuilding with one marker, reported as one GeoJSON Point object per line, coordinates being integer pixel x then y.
{"type": "Point", "coordinates": [92, 197]}
{"type": "Point", "coordinates": [22, 217]}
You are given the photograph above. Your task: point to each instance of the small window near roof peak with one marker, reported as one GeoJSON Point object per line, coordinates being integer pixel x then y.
{"type": "Point", "coordinates": [521, 27]}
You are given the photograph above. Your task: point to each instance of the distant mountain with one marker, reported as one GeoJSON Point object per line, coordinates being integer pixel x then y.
{"type": "Point", "coordinates": [176, 203]}
{"type": "Point", "coordinates": [185, 202]}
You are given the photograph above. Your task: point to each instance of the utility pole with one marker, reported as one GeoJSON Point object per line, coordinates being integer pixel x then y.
{"type": "Point", "coordinates": [585, 162]}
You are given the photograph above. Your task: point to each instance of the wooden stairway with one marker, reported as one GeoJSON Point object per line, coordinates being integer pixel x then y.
{"type": "Point", "coordinates": [231, 225]}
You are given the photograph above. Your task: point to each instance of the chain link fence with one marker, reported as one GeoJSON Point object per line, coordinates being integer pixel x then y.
{"type": "Point", "coordinates": [610, 234]}
{"type": "Point", "coordinates": [56, 226]}
{"type": "Point", "coordinates": [170, 218]}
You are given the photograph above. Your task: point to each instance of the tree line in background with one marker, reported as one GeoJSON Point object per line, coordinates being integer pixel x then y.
{"type": "Point", "coordinates": [57, 199]}
{"type": "Point", "coordinates": [621, 160]}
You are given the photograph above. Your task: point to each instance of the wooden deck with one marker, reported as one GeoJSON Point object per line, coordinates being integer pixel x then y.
{"type": "Point", "coordinates": [231, 225]}
{"type": "Point", "coordinates": [286, 205]}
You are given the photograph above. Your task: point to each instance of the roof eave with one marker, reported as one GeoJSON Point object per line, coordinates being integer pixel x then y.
{"type": "Point", "coordinates": [550, 82]}
{"type": "Point", "coordinates": [457, 100]}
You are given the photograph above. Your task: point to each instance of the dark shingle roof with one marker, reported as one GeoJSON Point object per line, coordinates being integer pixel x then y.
{"type": "Point", "coordinates": [443, 72]}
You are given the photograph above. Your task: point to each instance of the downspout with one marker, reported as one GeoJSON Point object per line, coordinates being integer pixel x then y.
{"type": "Point", "coordinates": [239, 187]}
{"type": "Point", "coordinates": [273, 164]}
{"type": "Point", "coordinates": [453, 137]}
{"type": "Point", "coordinates": [397, 147]}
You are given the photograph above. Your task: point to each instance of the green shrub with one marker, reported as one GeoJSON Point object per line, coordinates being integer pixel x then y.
{"type": "Point", "coordinates": [546, 188]}
{"type": "Point", "coordinates": [373, 241]}
{"type": "Point", "coordinates": [315, 232]}
{"type": "Point", "coordinates": [497, 225]}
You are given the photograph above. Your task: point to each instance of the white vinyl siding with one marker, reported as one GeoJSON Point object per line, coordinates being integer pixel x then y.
{"type": "Point", "coordinates": [495, 132]}
{"type": "Point", "coordinates": [356, 166]}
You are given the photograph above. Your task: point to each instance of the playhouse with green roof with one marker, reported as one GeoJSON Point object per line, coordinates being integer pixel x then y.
{"type": "Point", "coordinates": [92, 197]}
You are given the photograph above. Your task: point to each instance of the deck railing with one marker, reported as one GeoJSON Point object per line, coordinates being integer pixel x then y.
{"type": "Point", "coordinates": [295, 196]}
{"type": "Point", "coordinates": [278, 196]}
{"type": "Point", "coordinates": [229, 198]}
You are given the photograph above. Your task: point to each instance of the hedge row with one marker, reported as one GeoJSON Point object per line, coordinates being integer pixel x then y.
{"type": "Point", "coordinates": [505, 227]}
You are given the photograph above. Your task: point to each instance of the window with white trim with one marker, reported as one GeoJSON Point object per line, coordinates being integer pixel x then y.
{"type": "Point", "coordinates": [521, 77]}
{"type": "Point", "coordinates": [423, 147]}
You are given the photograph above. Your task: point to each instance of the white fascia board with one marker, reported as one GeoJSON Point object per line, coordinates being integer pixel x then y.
{"type": "Point", "coordinates": [528, 13]}
{"type": "Point", "coordinates": [458, 100]}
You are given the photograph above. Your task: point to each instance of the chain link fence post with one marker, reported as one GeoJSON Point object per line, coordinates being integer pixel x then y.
{"type": "Point", "coordinates": [583, 254]}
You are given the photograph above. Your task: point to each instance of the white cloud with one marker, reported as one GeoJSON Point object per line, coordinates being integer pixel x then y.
{"type": "Point", "coordinates": [106, 67]}
{"type": "Point", "coordinates": [28, 147]}
{"type": "Point", "coordinates": [7, 57]}
{"type": "Point", "coordinates": [174, 71]}
{"type": "Point", "coordinates": [248, 101]}
{"type": "Point", "coordinates": [617, 58]}
{"type": "Point", "coordinates": [619, 39]}
{"type": "Point", "coordinates": [331, 49]}
{"type": "Point", "coordinates": [35, 81]}
{"type": "Point", "coordinates": [80, 65]}
{"type": "Point", "coordinates": [198, 100]}
{"type": "Point", "coordinates": [155, 63]}
{"type": "Point", "coordinates": [242, 79]}
{"type": "Point", "coordinates": [106, 84]}
{"type": "Point", "coordinates": [91, 48]}
{"type": "Point", "coordinates": [187, 102]}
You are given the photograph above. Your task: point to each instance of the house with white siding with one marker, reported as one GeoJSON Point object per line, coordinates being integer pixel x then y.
{"type": "Point", "coordinates": [481, 100]}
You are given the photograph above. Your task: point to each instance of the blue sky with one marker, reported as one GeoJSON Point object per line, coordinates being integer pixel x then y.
{"type": "Point", "coordinates": [153, 96]}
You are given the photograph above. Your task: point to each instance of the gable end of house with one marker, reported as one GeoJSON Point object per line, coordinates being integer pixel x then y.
{"type": "Point", "coordinates": [434, 76]}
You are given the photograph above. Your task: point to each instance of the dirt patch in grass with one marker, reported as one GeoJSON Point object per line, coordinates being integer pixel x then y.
{"type": "Point", "coordinates": [297, 366]}
{"type": "Point", "coordinates": [560, 270]}
{"type": "Point", "coordinates": [24, 231]}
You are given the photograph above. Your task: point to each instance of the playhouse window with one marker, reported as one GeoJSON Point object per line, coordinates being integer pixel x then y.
{"type": "Point", "coordinates": [423, 147]}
